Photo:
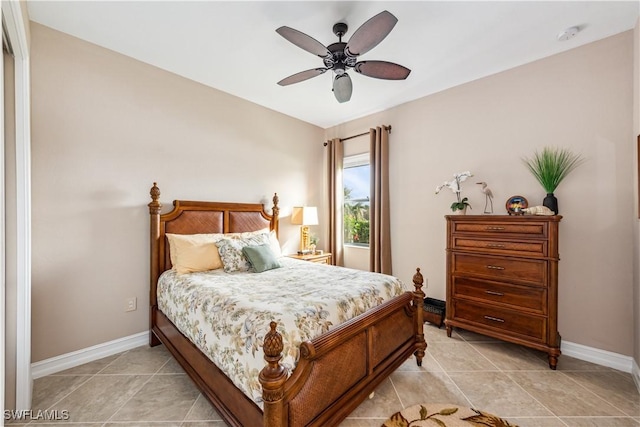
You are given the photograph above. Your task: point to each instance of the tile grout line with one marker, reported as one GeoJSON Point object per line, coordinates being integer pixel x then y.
{"type": "Point", "coordinates": [49, 408]}
{"type": "Point", "coordinates": [395, 390]}
{"type": "Point", "coordinates": [533, 397]}
{"type": "Point", "coordinates": [567, 376]}
{"type": "Point", "coordinates": [596, 395]}
{"type": "Point", "coordinates": [109, 364]}
{"type": "Point", "coordinates": [453, 382]}
{"type": "Point", "coordinates": [456, 384]}
{"type": "Point", "coordinates": [512, 380]}
{"type": "Point", "coordinates": [89, 377]}
{"type": "Point", "coordinates": [137, 391]}
{"type": "Point", "coordinates": [191, 408]}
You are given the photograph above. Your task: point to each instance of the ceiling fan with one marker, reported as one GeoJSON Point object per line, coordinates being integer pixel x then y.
{"type": "Point", "coordinates": [341, 56]}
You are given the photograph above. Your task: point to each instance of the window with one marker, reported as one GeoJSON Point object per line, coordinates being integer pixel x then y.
{"type": "Point", "coordinates": [356, 178]}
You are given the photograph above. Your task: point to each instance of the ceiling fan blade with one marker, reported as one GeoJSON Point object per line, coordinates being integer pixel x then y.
{"type": "Point", "coordinates": [342, 87]}
{"type": "Point", "coordinates": [382, 70]}
{"type": "Point", "coordinates": [302, 76]}
{"type": "Point", "coordinates": [370, 34]}
{"type": "Point", "coordinates": [304, 41]}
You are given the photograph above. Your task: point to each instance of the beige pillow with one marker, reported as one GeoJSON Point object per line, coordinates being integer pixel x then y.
{"type": "Point", "coordinates": [194, 252]}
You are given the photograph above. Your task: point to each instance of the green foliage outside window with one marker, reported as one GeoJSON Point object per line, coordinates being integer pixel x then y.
{"type": "Point", "coordinates": [356, 220]}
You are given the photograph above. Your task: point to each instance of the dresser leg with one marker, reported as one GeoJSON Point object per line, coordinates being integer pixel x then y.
{"type": "Point", "coordinates": [449, 330]}
{"type": "Point", "coordinates": [553, 362]}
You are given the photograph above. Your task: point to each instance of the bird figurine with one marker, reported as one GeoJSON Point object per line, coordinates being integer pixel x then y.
{"type": "Point", "coordinates": [488, 197]}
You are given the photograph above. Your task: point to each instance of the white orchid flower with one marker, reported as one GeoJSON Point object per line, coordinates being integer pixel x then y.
{"type": "Point", "coordinates": [440, 187]}
{"type": "Point", "coordinates": [454, 186]}
{"type": "Point", "coordinates": [462, 176]}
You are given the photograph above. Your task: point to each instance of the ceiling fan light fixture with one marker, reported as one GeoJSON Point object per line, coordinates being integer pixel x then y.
{"type": "Point", "coordinates": [342, 87]}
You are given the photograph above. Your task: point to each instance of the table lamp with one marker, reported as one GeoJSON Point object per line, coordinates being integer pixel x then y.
{"type": "Point", "coordinates": [304, 216]}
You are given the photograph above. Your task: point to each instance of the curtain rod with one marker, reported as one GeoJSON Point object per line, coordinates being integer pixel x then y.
{"type": "Point", "coordinates": [360, 134]}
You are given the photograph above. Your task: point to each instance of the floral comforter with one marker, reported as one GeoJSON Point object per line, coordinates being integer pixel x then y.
{"type": "Point", "coordinates": [227, 314]}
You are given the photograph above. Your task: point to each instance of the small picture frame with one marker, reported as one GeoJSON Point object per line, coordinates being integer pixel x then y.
{"type": "Point", "coordinates": [516, 204]}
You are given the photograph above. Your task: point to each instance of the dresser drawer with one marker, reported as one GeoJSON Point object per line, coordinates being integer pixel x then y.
{"type": "Point", "coordinates": [529, 228]}
{"type": "Point", "coordinates": [510, 321]}
{"type": "Point", "coordinates": [531, 271]}
{"type": "Point", "coordinates": [532, 248]}
{"type": "Point", "coordinates": [532, 299]}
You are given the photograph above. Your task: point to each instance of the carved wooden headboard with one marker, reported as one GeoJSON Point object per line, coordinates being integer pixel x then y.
{"type": "Point", "coordinates": [194, 217]}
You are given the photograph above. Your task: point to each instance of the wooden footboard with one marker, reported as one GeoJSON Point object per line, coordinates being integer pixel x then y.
{"type": "Point", "coordinates": [339, 369]}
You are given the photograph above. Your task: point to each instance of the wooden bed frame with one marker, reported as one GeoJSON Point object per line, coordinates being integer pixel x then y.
{"type": "Point", "coordinates": [336, 371]}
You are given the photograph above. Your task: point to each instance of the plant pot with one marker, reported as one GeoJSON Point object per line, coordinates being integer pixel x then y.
{"type": "Point", "coordinates": [460, 211]}
{"type": "Point", "coordinates": [551, 202]}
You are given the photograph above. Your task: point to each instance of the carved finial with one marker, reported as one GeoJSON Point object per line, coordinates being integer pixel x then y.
{"type": "Point", "coordinates": [276, 209]}
{"type": "Point", "coordinates": [155, 192]}
{"type": "Point", "coordinates": [273, 342]}
{"type": "Point", "coordinates": [418, 280]}
{"type": "Point", "coordinates": [273, 375]}
{"type": "Point", "coordinates": [155, 205]}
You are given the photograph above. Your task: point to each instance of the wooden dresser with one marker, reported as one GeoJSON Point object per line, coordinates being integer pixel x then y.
{"type": "Point", "coordinates": [502, 278]}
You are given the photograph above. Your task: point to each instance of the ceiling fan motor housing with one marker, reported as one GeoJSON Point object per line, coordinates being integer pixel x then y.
{"type": "Point", "coordinates": [338, 61]}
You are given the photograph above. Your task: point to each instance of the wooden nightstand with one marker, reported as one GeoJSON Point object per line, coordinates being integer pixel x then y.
{"type": "Point", "coordinates": [324, 258]}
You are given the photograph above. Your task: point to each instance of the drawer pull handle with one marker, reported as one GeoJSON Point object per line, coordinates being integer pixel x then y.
{"type": "Point", "coordinates": [498, 294]}
{"type": "Point", "coordinates": [494, 245]}
{"type": "Point", "coordinates": [495, 267]}
{"type": "Point", "coordinates": [495, 319]}
{"type": "Point", "coordinates": [495, 228]}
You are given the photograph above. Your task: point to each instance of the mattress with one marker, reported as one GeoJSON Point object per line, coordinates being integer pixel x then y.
{"type": "Point", "coordinates": [226, 315]}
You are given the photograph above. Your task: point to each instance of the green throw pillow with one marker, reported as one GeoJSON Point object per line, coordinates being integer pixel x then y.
{"type": "Point", "coordinates": [261, 258]}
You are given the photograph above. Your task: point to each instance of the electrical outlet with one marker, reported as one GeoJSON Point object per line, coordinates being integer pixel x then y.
{"type": "Point", "coordinates": [131, 304]}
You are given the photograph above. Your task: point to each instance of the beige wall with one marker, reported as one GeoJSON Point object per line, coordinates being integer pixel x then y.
{"type": "Point", "coordinates": [582, 100]}
{"type": "Point", "coordinates": [105, 127]}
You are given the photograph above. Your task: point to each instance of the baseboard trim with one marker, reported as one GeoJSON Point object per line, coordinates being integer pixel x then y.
{"type": "Point", "coordinates": [80, 357]}
{"type": "Point", "coordinates": [636, 375]}
{"type": "Point", "coordinates": [597, 356]}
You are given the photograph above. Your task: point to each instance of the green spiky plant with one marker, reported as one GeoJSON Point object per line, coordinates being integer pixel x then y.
{"type": "Point", "coordinates": [551, 165]}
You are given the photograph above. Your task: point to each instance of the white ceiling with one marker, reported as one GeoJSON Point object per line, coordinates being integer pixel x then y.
{"type": "Point", "coordinates": [233, 46]}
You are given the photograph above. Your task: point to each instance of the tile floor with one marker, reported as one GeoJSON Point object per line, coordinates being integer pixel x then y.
{"type": "Point", "coordinates": [146, 387]}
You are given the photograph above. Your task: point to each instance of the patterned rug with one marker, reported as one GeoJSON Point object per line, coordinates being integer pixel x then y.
{"type": "Point", "coordinates": [444, 415]}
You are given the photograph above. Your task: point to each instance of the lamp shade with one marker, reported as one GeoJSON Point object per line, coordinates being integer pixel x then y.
{"type": "Point", "coordinates": [305, 215]}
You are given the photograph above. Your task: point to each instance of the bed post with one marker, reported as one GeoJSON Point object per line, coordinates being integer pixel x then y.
{"type": "Point", "coordinates": [272, 377]}
{"type": "Point", "coordinates": [418, 316]}
{"type": "Point", "coordinates": [154, 212]}
{"type": "Point", "coordinates": [275, 213]}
